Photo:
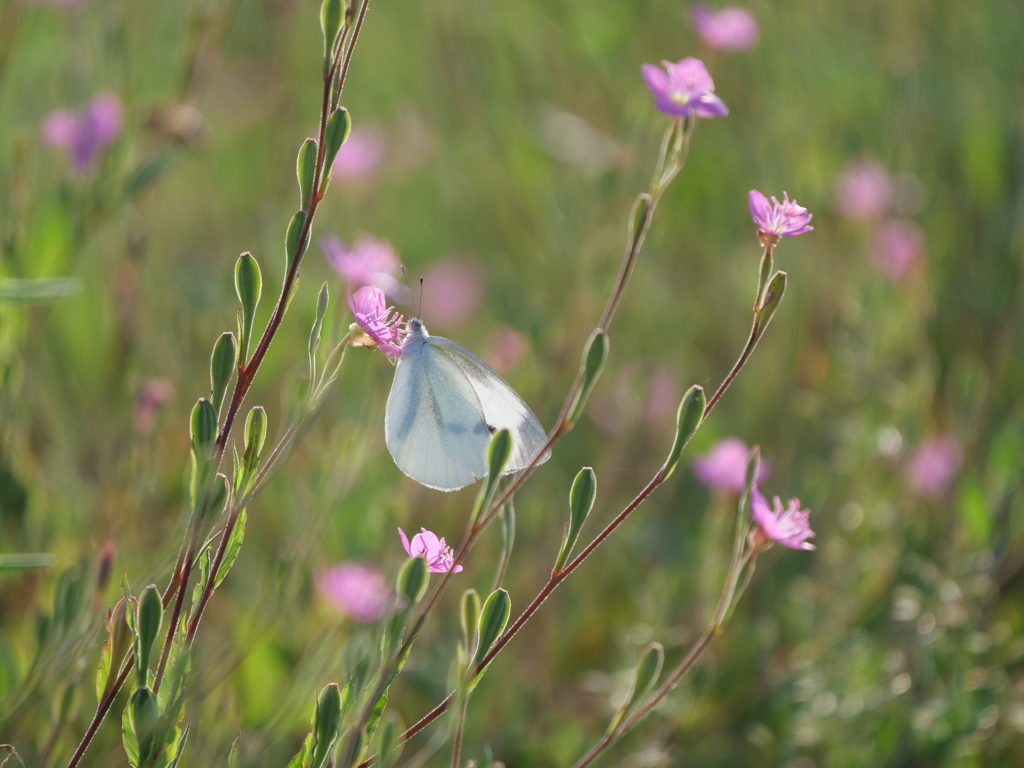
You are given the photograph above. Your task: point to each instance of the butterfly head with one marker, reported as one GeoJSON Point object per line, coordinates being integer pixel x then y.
{"type": "Point", "coordinates": [415, 328]}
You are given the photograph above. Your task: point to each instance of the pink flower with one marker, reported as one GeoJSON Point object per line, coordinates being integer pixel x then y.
{"type": "Point", "coordinates": [730, 29]}
{"type": "Point", "coordinates": [355, 590]}
{"type": "Point", "coordinates": [726, 466]}
{"type": "Point", "coordinates": [452, 289]}
{"type": "Point", "coordinates": [897, 248]}
{"type": "Point", "coordinates": [377, 320]}
{"type": "Point", "coordinates": [786, 219]}
{"type": "Point", "coordinates": [789, 527]}
{"type": "Point", "coordinates": [864, 191]}
{"type": "Point", "coordinates": [360, 155]}
{"type": "Point", "coordinates": [683, 89]}
{"type": "Point", "coordinates": [154, 394]}
{"type": "Point", "coordinates": [507, 350]}
{"type": "Point", "coordinates": [932, 466]}
{"type": "Point", "coordinates": [662, 398]}
{"type": "Point", "coordinates": [370, 262]}
{"type": "Point", "coordinates": [86, 133]}
{"type": "Point", "coordinates": [439, 557]}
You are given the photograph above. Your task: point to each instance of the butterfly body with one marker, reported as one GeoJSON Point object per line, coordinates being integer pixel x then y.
{"type": "Point", "coordinates": [445, 404]}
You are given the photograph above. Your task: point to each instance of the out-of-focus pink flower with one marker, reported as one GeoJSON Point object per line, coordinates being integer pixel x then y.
{"type": "Point", "coordinates": [897, 248]}
{"type": "Point", "coordinates": [369, 262]}
{"type": "Point", "coordinates": [662, 398]}
{"type": "Point", "coordinates": [451, 291]}
{"type": "Point", "coordinates": [684, 88]}
{"type": "Point", "coordinates": [785, 219]}
{"type": "Point", "coordinates": [85, 133]}
{"type": "Point", "coordinates": [355, 590]}
{"type": "Point", "coordinates": [154, 394]}
{"type": "Point", "coordinates": [933, 464]}
{"type": "Point", "coordinates": [360, 155]}
{"type": "Point", "coordinates": [439, 556]}
{"type": "Point", "coordinates": [379, 321]}
{"type": "Point", "coordinates": [726, 466]}
{"type": "Point", "coordinates": [788, 526]}
{"type": "Point", "coordinates": [730, 29]}
{"type": "Point", "coordinates": [863, 191]}
{"type": "Point", "coordinates": [508, 350]}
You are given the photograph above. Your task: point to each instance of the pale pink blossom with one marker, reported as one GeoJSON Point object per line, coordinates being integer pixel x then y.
{"type": "Point", "coordinates": [85, 133]}
{"type": "Point", "coordinates": [683, 89]}
{"type": "Point", "coordinates": [452, 290]}
{"type": "Point", "coordinates": [789, 525]}
{"type": "Point", "coordinates": [360, 155]}
{"type": "Point", "coordinates": [379, 321]}
{"type": "Point", "coordinates": [662, 398]}
{"type": "Point", "coordinates": [369, 262]}
{"type": "Point", "coordinates": [153, 395]}
{"type": "Point", "coordinates": [864, 191]}
{"type": "Point", "coordinates": [725, 467]}
{"type": "Point", "coordinates": [439, 556]}
{"type": "Point", "coordinates": [508, 349]}
{"type": "Point", "coordinates": [356, 590]}
{"type": "Point", "coordinates": [785, 219]}
{"type": "Point", "coordinates": [933, 465]}
{"type": "Point", "coordinates": [730, 29]}
{"type": "Point", "coordinates": [897, 248]}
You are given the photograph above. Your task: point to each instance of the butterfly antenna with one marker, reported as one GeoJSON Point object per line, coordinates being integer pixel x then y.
{"type": "Point", "coordinates": [412, 293]}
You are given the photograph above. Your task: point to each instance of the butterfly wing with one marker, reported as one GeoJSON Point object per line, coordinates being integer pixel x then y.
{"type": "Point", "coordinates": [502, 406]}
{"type": "Point", "coordinates": [434, 424]}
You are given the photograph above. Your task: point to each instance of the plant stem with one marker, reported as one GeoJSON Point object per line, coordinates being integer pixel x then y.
{"type": "Point", "coordinates": [557, 577]}
{"type": "Point", "coordinates": [246, 374]}
{"type": "Point", "coordinates": [460, 726]}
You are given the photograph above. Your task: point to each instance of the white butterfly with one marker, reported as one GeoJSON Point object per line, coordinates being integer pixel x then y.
{"type": "Point", "coordinates": [445, 404]}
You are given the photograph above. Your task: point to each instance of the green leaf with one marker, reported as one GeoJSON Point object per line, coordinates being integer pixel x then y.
{"type": "Point", "coordinates": [294, 239]}
{"type": "Point", "coordinates": [131, 744]}
{"type": "Point", "coordinates": [255, 436]}
{"type": "Point", "coordinates": [203, 425]}
{"type": "Point", "coordinates": [115, 649]}
{"type": "Point", "coordinates": [499, 449]}
{"type": "Point", "coordinates": [305, 169]}
{"type": "Point", "coordinates": [26, 562]}
{"type": "Point", "coordinates": [469, 615]}
{"type": "Point", "coordinates": [322, 300]}
{"type": "Point", "coordinates": [493, 619]}
{"type": "Point", "coordinates": [37, 291]}
{"type": "Point", "coordinates": [594, 357]}
{"type": "Point", "coordinates": [390, 747]}
{"type": "Point", "coordinates": [330, 23]}
{"type": "Point", "coordinates": [301, 760]}
{"type": "Point", "coordinates": [645, 675]}
{"type": "Point", "coordinates": [412, 580]}
{"type": "Point", "coordinates": [222, 366]}
{"type": "Point", "coordinates": [688, 420]}
{"type": "Point", "coordinates": [772, 297]}
{"type": "Point", "coordinates": [67, 597]}
{"type": "Point", "coordinates": [326, 725]}
{"type": "Point", "coordinates": [233, 547]}
{"type": "Point", "coordinates": [233, 754]}
{"type": "Point", "coordinates": [145, 719]}
{"type": "Point", "coordinates": [179, 749]}
{"type": "Point", "coordinates": [151, 612]}
{"type": "Point", "coordinates": [640, 218]}
{"type": "Point", "coordinates": [248, 287]}
{"type": "Point", "coordinates": [205, 558]}
{"type": "Point", "coordinates": [339, 125]}
{"type": "Point", "coordinates": [581, 501]}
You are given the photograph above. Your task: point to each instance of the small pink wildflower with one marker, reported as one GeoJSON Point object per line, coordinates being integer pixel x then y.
{"type": "Point", "coordinates": [379, 321]}
{"type": "Point", "coordinates": [355, 590]}
{"type": "Point", "coordinates": [369, 262]}
{"type": "Point", "coordinates": [897, 248]}
{"type": "Point", "coordinates": [933, 465]}
{"type": "Point", "coordinates": [730, 29]}
{"type": "Point", "coordinates": [438, 555]}
{"type": "Point", "coordinates": [788, 526]}
{"type": "Point", "coordinates": [726, 466]}
{"type": "Point", "coordinates": [452, 290]}
{"type": "Point", "coordinates": [864, 191]}
{"type": "Point", "coordinates": [683, 89]}
{"type": "Point", "coordinates": [86, 133]}
{"type": "Point", "coordinates": [360, 155]}
{"type": "Point", "coordinates": [785, 219]}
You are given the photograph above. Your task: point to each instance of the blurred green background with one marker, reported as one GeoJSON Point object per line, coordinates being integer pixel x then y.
{"type": "Point", "coordinates": [515, 135]}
